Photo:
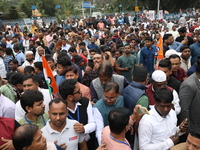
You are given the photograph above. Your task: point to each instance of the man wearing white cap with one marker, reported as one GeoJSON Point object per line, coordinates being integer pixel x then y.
{"type": "Point", "coordinates": [29, 59]}
{"type": "Point", "coordinates": [159, 80]}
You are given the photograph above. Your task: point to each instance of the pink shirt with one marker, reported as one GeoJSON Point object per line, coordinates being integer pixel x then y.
{"type": "Point", "coordinates": [85, 91]}
{"type": "Point", "coordinates": [110, 143]}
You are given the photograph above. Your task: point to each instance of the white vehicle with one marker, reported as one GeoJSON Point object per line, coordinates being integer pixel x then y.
{"type": "Point", "coordinates": [95, 14]}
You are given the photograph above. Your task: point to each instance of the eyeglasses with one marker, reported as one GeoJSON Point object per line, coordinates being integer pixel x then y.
{"type": "Point", "coordinates": [78, 92]}
{"type": "Point", "coordinates": [110, 98]}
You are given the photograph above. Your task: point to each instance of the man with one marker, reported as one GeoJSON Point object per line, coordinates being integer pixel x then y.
{"type": "Point", "coordinates": [79, 109]}
{"type": "Point", "coordinates": [60, 128]}
{"type": "Point", "coordinates": [185, 58]}
{"type": "Point", "coordinates": [195, 50]}
{"type": "Point", "coordinates": [72, 73]}
{"type": "Point", "coordinates": [32, 47]}
{"type": "Point", "coordinates": [192, 142]}
{"type": "Point", "coordinates": [7, 107]}
{"type": "Point", "coordinates": [31, 82]}
{"type": "Point", "coordinates": [7, 58]}
{"type": "Point", "coordinates": [157, 131]}
{"type": "Point", "coordinates": [32, 102]}
{"type": "Point", "coordinates": [147, 55]}
{"type": "Point", "coordinates": [166, 67]}
{"type": "Point", "coordinates": [62, 64]}
{"type": "Point", "coordinates": [29, 59]}
{"type": "Point", "coordinates": [110, 100]}
{"type": "Point", "coordinates": [13, 88]}
{"type": "Point", "coordinates": [134, 94]}
{"type": "Point", "coordinates": [51, 63]}
{"type": "Point", "coordinates": [73, 52]}
{"type": "Point", "coordinates": [93, 45]}
{"type": "Point", "coordinates": [19, 55]}
{"type": "Point", "coordinates": [174, 32]}
{"type": "Point", "coordinates": [182, 32]}
{"type": "Point", "coordinates": [105, 74]}
{"type": "Point", "coordinates": [119, 119]}
{"type": "Point", "coordinates": [41, 51]}
{"type": "Point", "coordinates": [65, 46]}
{"type": "Point", "coordinates": [126, 63]}
{"type": "Point", "coordinates": [169, 43]}
{"type": "Point", "coordinates": [91, 69]}
{"type": "Point", "coordinates": [30, 137]}
{"type": "Point", "coordinates": [158, 81]}
{"type": "Point", "coordinates": [189, 97]}
{"type": "Point", "coordinates": [177, 72]}
{"type": "Point", "coordinates": [39, 72]}
{"type": "Point", "coordinates": [13, 65]}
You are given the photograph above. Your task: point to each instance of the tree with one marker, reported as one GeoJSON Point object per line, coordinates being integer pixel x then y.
{"type": "Point", "coordinates": [13, 13]}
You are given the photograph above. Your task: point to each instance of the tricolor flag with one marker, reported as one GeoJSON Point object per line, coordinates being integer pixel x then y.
{"type": "Point", "coordinates": [50, 80]}
{"type": "Point", "coordinates": [159, 49]}
{"type": "Point", "coordinates": [166, 12]}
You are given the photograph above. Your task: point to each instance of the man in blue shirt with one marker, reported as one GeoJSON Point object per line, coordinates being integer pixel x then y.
{"type": "Point", "coordinates": [19, 55]}
{"type": "Point", "coordinates": [93, 45]}
{"type": "Point", "coordinates": [147, 55]}
{"type": "Point", "coordinates": [195, 50]}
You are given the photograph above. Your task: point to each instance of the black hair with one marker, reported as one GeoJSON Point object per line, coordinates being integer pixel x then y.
{"type": "Point", "coordinates": [9, 51]}
{"type": "Point", "coordinates": [183, 48]}
{"type": "Point", "coordinates": [9, 74]}
{"type": "Point", "coordinates": [63, 53]}
{"type": "Point", "coordinates": [118, 119]}
{"type": "Point", "coordinates": [111, 86]}
{"type": "Point", "coordinates": [28, 70]}
{"type": "Point", "coordinates": [47, 56]}
{"type": "Point", "coordinates": [182, 29]}
{"type": "Point", "coordinates": [72, 49]}
{"type": "Point", "coordinates": [106, 49]}
{"type": "Point", "coordinates": [105, 69]}
{"type": "Point", "coordinates": [38, 65]}
{"type": "Point", "coordinates": [16, 78]}
{"type": "Point", "coordinates": [140, 74]}
{"type": "Point", "coordinates": [173, 56]}
{"type": "Point", "coordinates": [149, 39]}
{"type": "Point", "coordinates": [72, 68]}
{"type": "Point", "coordinates": [163, 95]}
{"type": "Point", "coordinates": [24, 136]}
{"type": "Point", "coordinates": [30, 97]}
{"type": "Point", "coordinates": [166, 63]}
{"type": "Point", "coordinates": [64, 61]}
{"type": "Point", "coordinates": [14, 61]}
{"type": "Point", "coordinates": [166, 36]}
{"type": "Point", "coordinates": [38, 43]}
{"type": "Point", "coordinates": [93, 50]}
{"type": "Point", "coordinates": [58, 100]}
{"type": "Point", "coordinates": [82, 44]}
{"type": "Point", "coordinates": [67, 88]}
{"type": "Point", "coordinates": [194, 131]}
{"type": "Point", "coordinates": [31, 76]}
{"type": "Point", "coordinates": [120, 51]}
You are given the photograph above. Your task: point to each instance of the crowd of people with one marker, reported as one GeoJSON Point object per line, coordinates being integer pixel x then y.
{"type": "Point", "coordinates": [106, 69]}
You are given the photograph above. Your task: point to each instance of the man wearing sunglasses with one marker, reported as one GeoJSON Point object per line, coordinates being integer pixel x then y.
{"type": "Point", "coordinates": [159, 80]}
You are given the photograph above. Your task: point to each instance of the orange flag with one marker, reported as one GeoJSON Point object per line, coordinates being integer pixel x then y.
{"type": "Point", "coordinates": [159, 49]}
{"type": "Point", "coordinates": [50, 80]}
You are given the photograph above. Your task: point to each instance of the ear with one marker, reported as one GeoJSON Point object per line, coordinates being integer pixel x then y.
{"type": "Point", "coordinates": [28, 109]}
{"type": "Point", "coordinates": [70, 97]}
{"type": "Point", "coordinates": [170, 72]}
{"type": "Point", "coordinates": [25, 148]}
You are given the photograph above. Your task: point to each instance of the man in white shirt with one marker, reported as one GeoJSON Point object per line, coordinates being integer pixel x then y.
{"type": "Point", "coordinates": [29, 59]}
{"type": "Point", "coordinates": [158, 131]}
{"type": "Point", "coordinates": [65, 46]}
{"type": "Point", "coordinates": [30, 82]}
{"type": "Point", "coordinates": [61, 129]}
{"type": "Point", "coordinates": [185, 58]}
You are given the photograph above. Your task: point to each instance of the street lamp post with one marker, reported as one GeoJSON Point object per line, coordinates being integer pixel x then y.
{"type": "Point", "coordinates": [158, 7]}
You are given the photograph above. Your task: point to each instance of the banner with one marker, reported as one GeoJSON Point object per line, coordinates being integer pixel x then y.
{"type": "Point", "coordinates": [151, 15]}
{"type": "Point", "coordinates": [160, 14]}
{"type": "Point", "coordinates": [50, 80]}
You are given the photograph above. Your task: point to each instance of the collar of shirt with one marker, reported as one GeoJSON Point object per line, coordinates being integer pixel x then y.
{"type": "Point", "coordinates": [50, 130]}
{"type": "Point", "coordinates": [74, 111]}
{"type": "Point", "coordinates": [157, 115]}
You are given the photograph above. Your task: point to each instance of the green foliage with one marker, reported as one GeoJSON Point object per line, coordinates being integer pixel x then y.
{"type": "Point", "coordinates": [13, 14]}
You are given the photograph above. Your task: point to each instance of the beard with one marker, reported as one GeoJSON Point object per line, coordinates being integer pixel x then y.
{"type": "Point", "coordinates": [29, 60]}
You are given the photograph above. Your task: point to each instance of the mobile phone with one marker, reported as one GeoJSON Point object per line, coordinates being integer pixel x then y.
{"type": "Point", "coordinates": [144, 110]}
